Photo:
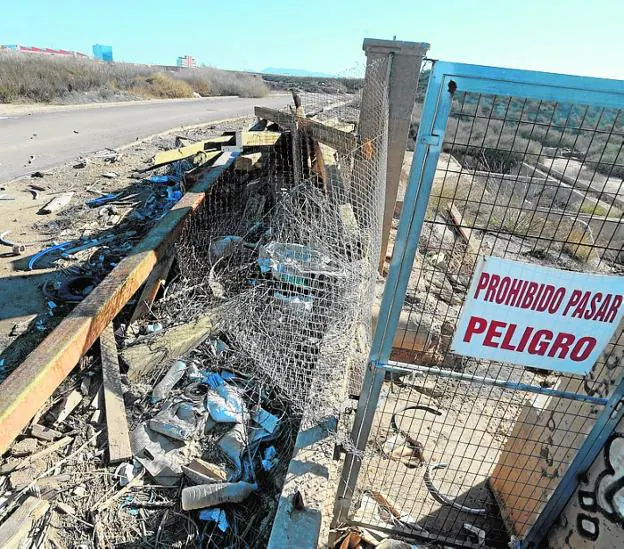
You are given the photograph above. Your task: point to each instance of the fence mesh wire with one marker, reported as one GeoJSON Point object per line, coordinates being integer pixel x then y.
{"type": "Point", "coordinates": [534, 181]}
{"type": "Point", "coordinates": [287, 250]}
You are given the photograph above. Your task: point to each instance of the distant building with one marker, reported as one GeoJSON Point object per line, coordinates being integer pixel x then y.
{"type": "Point", "coordinates": [103, 53]}
{"type": "Point", "coordinates": [42, 51]}
{"type": "Point", "coordinates": [186, 61]}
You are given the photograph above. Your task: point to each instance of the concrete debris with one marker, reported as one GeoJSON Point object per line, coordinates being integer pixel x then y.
{"type": "Point", "coordinates": [57, 203]}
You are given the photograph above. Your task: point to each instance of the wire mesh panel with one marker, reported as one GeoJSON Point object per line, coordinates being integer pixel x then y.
{"type": "Point", "coordinates": [287, 249]}
{"type": "Point", "coordinates": [470, 450]}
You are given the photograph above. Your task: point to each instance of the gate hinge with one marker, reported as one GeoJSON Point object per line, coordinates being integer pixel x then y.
{"type": "Point", "coordinates": [433, 140]}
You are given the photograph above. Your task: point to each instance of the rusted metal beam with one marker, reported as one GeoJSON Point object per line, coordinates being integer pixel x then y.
{"type": "Point", "coordinates": [34, 381]}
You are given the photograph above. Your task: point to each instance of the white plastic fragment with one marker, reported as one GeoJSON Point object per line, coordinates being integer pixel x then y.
{"type": "Point", "coordinates": [232, 445]}
{"type": "Point", "coordinates": [125, 473]}
{"type": "Point", "coordinates": [173, 375]}
{"type": "Point", "coordinates": [211, 495]}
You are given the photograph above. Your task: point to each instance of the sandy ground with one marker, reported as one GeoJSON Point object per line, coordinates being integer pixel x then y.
{"type": "Point", "coordinates": [24, 307]}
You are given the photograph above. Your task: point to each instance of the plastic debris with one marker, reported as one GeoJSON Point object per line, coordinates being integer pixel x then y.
{"type": "Point", "coordinates": [211, 495]}
{"type": "Point", "coordinates": [294, 263]}
{"type": "Point", "coordinates": [153, 328]}
{"type": "Point", "coordinates": [176, 421]}
{"type": "Point", "coordinates": [125, 472]}
{"type": "Point", "coordinates": [479, 532]}
{"type": "Point", "coordinates": [266, 420]}
{"type": "Point", "coordinates": [218, 347]}
{"type": "Point", "coordinates": [232, 445]}
{"type": "Point", "coordinates": [215, 515]}
{"type": "Point", "coordinates": [102, 200]}
{"type": "Point", "coordinates": [270, 458]}
{"type": "Point", "coordinates": [193, 374]}
{"type": "Point", "coordinates": [224, 247]}
{"type": "Point", "coordinates": [110, 175]}
{"type": "Point", "coordinates": [173, 375]}
{"type": "Point", "coordinates": [225, 404]}
{"type": "Point", "coordinates": [300, 303]}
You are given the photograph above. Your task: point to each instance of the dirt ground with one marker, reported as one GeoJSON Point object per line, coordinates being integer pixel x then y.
{"type": "Point", "coordinates": [26, 316]}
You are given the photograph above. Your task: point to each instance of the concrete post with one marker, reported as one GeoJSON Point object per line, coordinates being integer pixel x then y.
{"type": "Point", "coordinates": [405, 61]}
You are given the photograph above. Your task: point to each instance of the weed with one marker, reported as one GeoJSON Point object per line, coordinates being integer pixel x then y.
{"type": "Point", "coordinates": [38, 78]}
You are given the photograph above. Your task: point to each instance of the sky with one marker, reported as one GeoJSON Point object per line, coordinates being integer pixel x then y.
{"type": "Point", "coordinates": [568, 36]}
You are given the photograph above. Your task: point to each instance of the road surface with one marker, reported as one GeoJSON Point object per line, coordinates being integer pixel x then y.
{"type": "Point", "coordinates": [57, 135]}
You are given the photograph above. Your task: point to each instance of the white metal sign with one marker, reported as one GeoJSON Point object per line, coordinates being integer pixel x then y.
{"type": "Point", "coordinates": [538, 316]}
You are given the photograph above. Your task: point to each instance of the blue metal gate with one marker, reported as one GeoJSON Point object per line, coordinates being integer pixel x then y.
{"type": "Point", "coordinates": [521, 165]}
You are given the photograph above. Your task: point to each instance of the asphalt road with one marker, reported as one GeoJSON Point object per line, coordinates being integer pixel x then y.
{"type": "Point", "coordinates": [57, 135]}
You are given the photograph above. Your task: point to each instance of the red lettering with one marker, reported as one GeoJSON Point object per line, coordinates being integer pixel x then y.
{"type": "Point", "coordinates": [583, 348]}
{"type": "Point", "coordinates": [539, 342]}
{"type": "Point", "coordinates": [493, 332]}
{"type": "Point", "coordinates": [502, 289]}
{"type": "Point", "coordinates": [524, 339]}
{"type": "Point", "coordinates": [541, 304]}
{"type": "Point", "coordinates": [482, 284]}
{"type": "Point", "coordinates": [528, 297]}
{"type": "Point", "coordinates": [593, 305]}
{"type": "Point", "coordinates": [514, 291]}
{"type": "Point", "coordinates": [476, 325]}
{"type": "Point", "coordinates": [617, 301]}
{"type": "Point", "coordinates": [574, 299]}
{"type": "Point", "coordinates": [578, 312]}
{"type": "Point", "coordinates": [508, 336]}
{"type": "Point", "coordinates": [556, 300]}
{"type": "Point", "coordinates": [562, 344]}
{"type": "Point", "coordinates": [491, 291]}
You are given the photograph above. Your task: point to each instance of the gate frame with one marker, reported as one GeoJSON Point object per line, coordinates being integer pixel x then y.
{"type": "Point", "coordinates": [446, 78]}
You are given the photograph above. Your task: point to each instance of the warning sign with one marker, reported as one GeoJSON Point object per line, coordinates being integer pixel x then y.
{"type": "Point", "coordinates": [537, 316]}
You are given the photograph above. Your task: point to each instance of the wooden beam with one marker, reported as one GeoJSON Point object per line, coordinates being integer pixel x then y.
{"type": "Point", "coordinates": [155, 281]}
{"type": "Point", "coordinates": [247, 162]}
{"type": "Point", "coordinates": [172, 155]}
{"type": "Point", "coordinates": [33, 382]}
{"type": "Point", "coordinates": [343, 142]}
{"type": "Point", "coordinates": [259, 139]}
{"type": "Point", "coordinates": [167, 345]}
{"type": "Point", "coordinates": [15, 530]}
{"type": "Point", "coordinates": [116, 420]}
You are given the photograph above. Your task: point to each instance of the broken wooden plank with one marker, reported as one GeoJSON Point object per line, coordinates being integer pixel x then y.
{"type": "Point", "coordinates": [14, 466]}
{"type": "Point", "coordinates": [259, 139]}
{"type": "Point", "coordinates": [248, 162]}
{"type": "Point", "coordinates": [343, 142]}
{"type": "Point", "coordinates": [154, 282]}
{"type": "Point", "coordinates": [15, 530]}
{"type": "Point", "coordinates": [181, 153]}
{"type": "Point", "coordinates": [456, 218]}
{"type": "Point", "coordinates": [116, 421]}
{"type": "Point", "coordinates": [44, 433]}
{"type": "Point", "coordinates": [57, 203]}
{"type": "Point", "coordinates": [29, 386]}
{"type": "Point", "coordinates": [67, 406]}
{"type": "Point", "coordinates": [142, 358]}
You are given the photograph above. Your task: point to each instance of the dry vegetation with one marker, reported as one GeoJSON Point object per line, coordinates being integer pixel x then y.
{"type": "Point", "coordinates": [36, 78]}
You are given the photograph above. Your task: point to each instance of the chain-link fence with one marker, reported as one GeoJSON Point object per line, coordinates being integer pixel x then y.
{"type": "Point", "coordinates": [287, 247]}
{"type": "Point", "coordinates": [467, 450]}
